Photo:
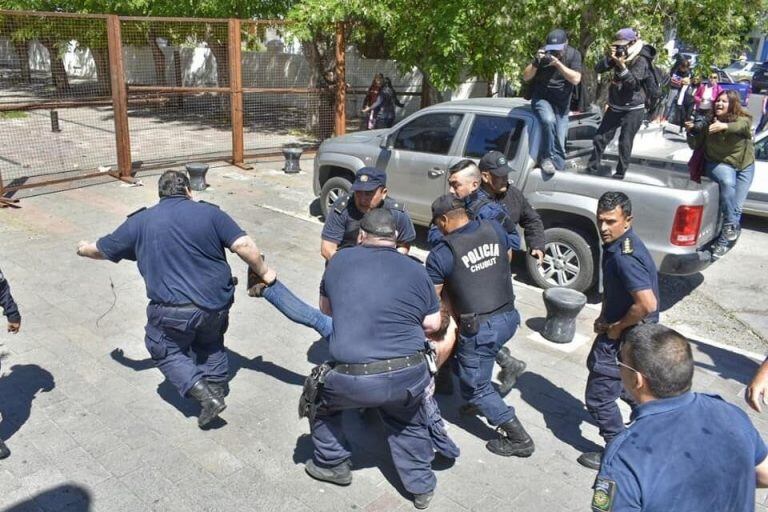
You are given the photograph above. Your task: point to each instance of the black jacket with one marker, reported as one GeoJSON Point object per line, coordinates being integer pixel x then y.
{"type": "Point", "coordinates": [627, 89]}
{"type": "Point", "coordinates": [520, 212]}
{"type": "Point", "coordinates": [6, 301]}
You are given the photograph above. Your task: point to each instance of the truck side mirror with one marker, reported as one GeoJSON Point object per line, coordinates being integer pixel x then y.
{"type": "Point", "coordinates": [388, 141]}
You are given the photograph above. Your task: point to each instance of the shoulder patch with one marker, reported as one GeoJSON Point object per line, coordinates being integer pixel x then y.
{"type": "Point", "coordinates": [137, 211]}
{"type": "Point", "coordinates": [626, 246]}
{"type": "Point", "coordinates": [341, 203]}
{"type": "Point", "coordinates": [209, 204]}
{"type": "Point", "coordinates": [393, 204]}
{"type": "Point", "coordinates": [605, 492]}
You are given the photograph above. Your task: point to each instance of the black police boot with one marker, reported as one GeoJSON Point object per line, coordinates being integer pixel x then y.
{"type": "Point", "coordinates": [212, 405]}
{"type": "Point", "coordinates": [340, 474]}
{"type": "Point", "coordinates": [591, 460]}
{"type": "Point", "coordinates": [444, 380]}
{"type": "Point", "coordinates": [511, 369]}
{"type": "Point", "coordinates": [421, 501]}
{"type": "Point", "coordinates": [4, 451]}
{"type": "Point", "coordinates": [512, 440]}
{"type": "Point", "coordinates": [219, 389]}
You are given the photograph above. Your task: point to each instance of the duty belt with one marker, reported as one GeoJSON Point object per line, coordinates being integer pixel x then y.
{"type": "Point", "coordinates": [383, 366]}
{"type": "Point", "coordinates": [506, 308]}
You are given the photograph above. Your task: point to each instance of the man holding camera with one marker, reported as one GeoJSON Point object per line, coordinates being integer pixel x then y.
{"type": "Point", "coordinates": [630, 60]}
{"type": "Point", "coordinates": [555, 71]}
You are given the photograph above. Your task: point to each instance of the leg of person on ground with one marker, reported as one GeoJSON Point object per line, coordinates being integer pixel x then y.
{"type": "Point", "coordinates": [211, 355]}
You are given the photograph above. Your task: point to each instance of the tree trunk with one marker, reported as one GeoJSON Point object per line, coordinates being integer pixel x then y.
{"type": "Point", "coordinates": [429, 95]}
{"type": "Point", "coordinates": [178, 100]}
{"type": "Point", "coordinates": [58, 72]}
{"type": "Point", "coordinates": [22, 50]}
{"type": "Point", "coordinates": [316, 70]}
{"type": "Point", "coordinates": [101, 59]}
{"type": "Point", "coordinates": [158, 57]}
{"type": "Point", "coordinates": [221, 54]}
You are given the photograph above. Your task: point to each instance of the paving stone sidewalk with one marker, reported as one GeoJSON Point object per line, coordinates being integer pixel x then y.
{"type": "Point", "coordinates": [93, 426]}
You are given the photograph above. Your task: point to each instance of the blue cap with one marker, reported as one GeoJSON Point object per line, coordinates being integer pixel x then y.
{"type": "Point", "coordinates": [556, 40]}
{"type": "Point", "coordinates": [369, 178]}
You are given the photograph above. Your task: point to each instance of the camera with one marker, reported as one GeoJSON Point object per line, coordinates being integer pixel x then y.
{"type": "Point", "coordinates": [546, 59]}
{"type": "Point", "coordinates": [620, 51]}
{"type": "Point", "coordinates": [700, 123]}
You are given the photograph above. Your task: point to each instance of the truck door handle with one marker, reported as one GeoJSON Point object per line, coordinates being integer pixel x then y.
{"type": "Point", "coordinates": [436, 172]}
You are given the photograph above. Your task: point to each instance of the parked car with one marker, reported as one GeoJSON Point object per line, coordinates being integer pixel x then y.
{"type": "Point", "coordinates": [675, 217]}
{"type": "Point", "coordinates": [742, 70]}
{"type": "Point", "coordinates": [727, 82]}
{"type": "Point", "coordinates": [760, 79]}
{"type": "Point", "coordinates": [757, 198]}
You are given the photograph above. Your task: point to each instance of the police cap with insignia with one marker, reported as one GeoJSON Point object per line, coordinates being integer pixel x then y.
{"type": "Point", "coordinates": [368, 179]}
{"type": "Point", "coordinates": [379, 222]}
{"type": "Point", "coordinates": [495, 163]}
{"type": "Point", "coordinates": [445, 204]}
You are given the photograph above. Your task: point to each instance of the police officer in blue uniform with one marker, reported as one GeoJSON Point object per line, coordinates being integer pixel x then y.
{"type": "Point", "coordinates": [179, 246]}
{"type": "Point", "coordinates": [382, 303]}
{"type": "Point", "coordinates": [684, 451]}
{"type": "Point", "coordinates": [369, 191]}
{"type": "Point", "coordinates": [471, 263]}
{"type": "Point", "coordinates": [630, 297]}
{"type": "Point", "coordinates": [11, 312]}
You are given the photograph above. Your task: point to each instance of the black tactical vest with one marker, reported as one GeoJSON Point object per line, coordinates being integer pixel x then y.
{"type": "Point", "coordinates": [355, 217]}
{"type": "Point", "coordinates": [480, 281]}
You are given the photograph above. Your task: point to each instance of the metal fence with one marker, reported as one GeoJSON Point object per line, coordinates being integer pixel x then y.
{"type": "Point", "coordinates": [90, 97]}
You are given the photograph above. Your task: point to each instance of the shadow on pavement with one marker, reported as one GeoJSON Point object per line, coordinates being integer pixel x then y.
{"type": "Point", "coordinates": [17, 391]}
{"type": "Point", "coordinates": [673, 289]}
{"type": "Point", "coordinates": [563, 413]}
{"type": "Point", "coordinates": [69, 497]}
{"type": "Point", "coordinates": [190, 408]}
{"type": "Point", "coordinates": [726, 364]}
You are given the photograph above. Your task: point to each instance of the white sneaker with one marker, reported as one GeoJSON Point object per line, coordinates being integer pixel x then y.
{"type": "Point", "coordinates": [548, 167]}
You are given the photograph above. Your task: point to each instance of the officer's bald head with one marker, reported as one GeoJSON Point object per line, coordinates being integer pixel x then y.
{"type": "Point", "coordinates": [662, 355]}
{"type": "Point", "coordinates": [173, 183]}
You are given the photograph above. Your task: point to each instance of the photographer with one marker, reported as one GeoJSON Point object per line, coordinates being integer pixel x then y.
{"type": "Point", "coordinates": [555, 71]}
{"type": "Point", "coordinates": [629, 58]}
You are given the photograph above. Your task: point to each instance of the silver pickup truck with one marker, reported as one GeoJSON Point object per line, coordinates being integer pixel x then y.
{"type": "Point", "coordinates": [676, 217]}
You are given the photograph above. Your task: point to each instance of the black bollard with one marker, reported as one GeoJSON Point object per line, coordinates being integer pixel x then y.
{"type": "Point", "coordinates": [563, 305]}
{"type": "Point", "coordinates": [55, 128]}
{"type": "Point", "coordinates": [292, 155]}
{"type": "Point", "coordinates": [197, 174]}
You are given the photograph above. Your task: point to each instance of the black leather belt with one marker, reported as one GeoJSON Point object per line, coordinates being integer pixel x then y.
{"type": "Point", "coordinates": [506, 308]}
{"type": "Point", "coordinates": [383, 366]}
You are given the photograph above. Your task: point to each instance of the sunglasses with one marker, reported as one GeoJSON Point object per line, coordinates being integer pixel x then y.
{"type": "Point", "coordinates": [628, 367]}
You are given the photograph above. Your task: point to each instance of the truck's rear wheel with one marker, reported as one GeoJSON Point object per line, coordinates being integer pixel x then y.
{"type": "Point", "coordinates": [569, 261]}
{"type": "Point", "coordinates": [332, 189]}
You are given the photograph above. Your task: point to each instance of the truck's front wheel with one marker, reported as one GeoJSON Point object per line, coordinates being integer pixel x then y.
{"type": "Point", "coordinates": [332, 189]}
{"type": "Point", "coordinates": [569, 261]}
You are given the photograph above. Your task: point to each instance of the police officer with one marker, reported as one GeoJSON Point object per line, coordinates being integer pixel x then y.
{"type": "Point", "coordinates": [11, 312]}
{"type": "Point", "coordinates": [179, 245]}
{"type": "Point", "coordinates": [684, 451]}
{"type": "Point", "coordinates": [471, 263]}
{"type": "Point", "coordinates": [382, 303]}
{"type": "Point", "coordinates": [369, 191]}
{"type": "Point", "coordinates": [630, 296]}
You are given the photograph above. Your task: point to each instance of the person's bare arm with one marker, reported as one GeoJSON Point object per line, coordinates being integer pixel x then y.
{"type": "Point", "coordinates": [432, 322]}
{"type": "Point", "coordinates": [403, 247]}
{"type": "Point", "coordinates": [325, 305]}
{"type": "Point", "coordinates": [89, 250]}
{"type": "Point", "coordinates": [529, 72]}
{"type": "Point", "coordinates": [574, 77]}
{"type": "Point", "coordinates": [328, 249]}
{"type": "Point", "coordinates": [247, 250]}
{"type": "Point", "coordinates": [761, 471]}
{"type": "Point", "coordinates": [645, 303]}
{"type": "Point", "coordinates": [758, 389]}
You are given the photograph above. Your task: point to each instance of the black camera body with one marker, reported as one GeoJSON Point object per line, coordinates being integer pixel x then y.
{"type": "Point", "coordinates": [620, 51]}
{"type": "Point", "coordinates": [546, 59]}
{"type": "Point", "coordinates": [700, 123]}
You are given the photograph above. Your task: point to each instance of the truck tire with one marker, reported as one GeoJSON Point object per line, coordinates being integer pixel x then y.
{"type": "Point", "coordinates": [331, 191]}
{"type": "Point", "coordinates": [569, 261]}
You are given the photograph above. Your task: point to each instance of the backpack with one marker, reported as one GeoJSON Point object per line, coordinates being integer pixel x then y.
{"type": "Point", "coordinates": [653, 85]}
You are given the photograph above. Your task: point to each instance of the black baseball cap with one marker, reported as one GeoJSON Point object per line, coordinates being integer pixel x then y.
{"type": "Point", "coordinates": [446, 203]}
{"type": "Point", "coordinates": [369, 178]}
{"type": "Point", "coordinates": [379, 222]}
{"type": "Point", "coordinates": [556, 40]}
{"type": "Point", "coordinates": [495, 163]}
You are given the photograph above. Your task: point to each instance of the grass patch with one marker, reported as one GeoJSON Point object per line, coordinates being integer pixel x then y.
{"type": "Point", "coordinates": [13, 114]}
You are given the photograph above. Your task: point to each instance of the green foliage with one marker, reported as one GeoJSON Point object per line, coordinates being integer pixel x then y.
{"type": "Point", "coordinates": [13, 114]}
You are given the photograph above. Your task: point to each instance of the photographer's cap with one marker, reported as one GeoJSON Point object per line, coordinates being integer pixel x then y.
{"type": "Point", "coordinates": [379, 222]}
{"type": "Point", "coordinates": [445, 204]}
{"type": "Point", "coordinates": [495, 163]}
{"type": "Point", "coordinates": [625, 36]}
{"type": "Point", "coordinates": [556, 40]}
{"type": "Point", "coordinates": [369, 178]}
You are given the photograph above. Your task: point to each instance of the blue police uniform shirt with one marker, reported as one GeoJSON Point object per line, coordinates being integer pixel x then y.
{"type": "Point", "coordinates": [689, 453]}
{"type": "Point", "coordinates": [336, 223]}
{"type": "Point", "coordinates": [440, 259]}
{"type": "Point", "coordinates": [491, 210]}
{"type": "Point", "coordinates": [379, 299]}
{"type": "Point", "coordinates": [178, 245]}
{"type": "Point", "coordinates": [627, 267]}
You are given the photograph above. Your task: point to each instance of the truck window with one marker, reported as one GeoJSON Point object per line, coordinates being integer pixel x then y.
{"type": "Point", "coordinates": [430, 133]}
{"type": "Point", "coordinates": [493, 133]}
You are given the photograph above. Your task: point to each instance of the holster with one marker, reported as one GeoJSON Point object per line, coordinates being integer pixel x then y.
{"type": "Point", "coordinates": [469, 324]}
{"type": "Point", "coordinates": [313, 384]}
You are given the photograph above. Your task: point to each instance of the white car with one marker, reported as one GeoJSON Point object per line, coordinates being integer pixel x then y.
{"type": "Point", "coordinates": [742, 70]}
{"type": "Point", "coordinates": [757, 199]}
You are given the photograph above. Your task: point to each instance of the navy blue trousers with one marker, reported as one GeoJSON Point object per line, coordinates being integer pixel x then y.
{"type": "Point", "coordinates": [604, 387]}
{"type": "Point", "coordinates": [399, 398]}
{"type": "Point", "coordinates": [187, 344]}
{"type": "Point", "coordinates": [475, 357]}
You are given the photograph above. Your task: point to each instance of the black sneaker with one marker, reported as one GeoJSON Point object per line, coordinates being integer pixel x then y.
{"type": "Point", "coordinates": [339, 474]}
{"type": "Point", "coordinates": [730, 232]}
{"type": "Point", "coordinates": [421, 501]}
{"type": "Point", "coordinates": [4, 451]}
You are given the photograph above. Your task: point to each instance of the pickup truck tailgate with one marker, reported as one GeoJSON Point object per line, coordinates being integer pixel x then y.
{"type": "Point", "coordinates": [709, 222]}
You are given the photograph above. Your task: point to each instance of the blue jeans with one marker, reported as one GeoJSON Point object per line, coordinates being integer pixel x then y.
{"type": "Point", "coordinates": [734, 186]}
{"type": "Point", "coordinates": [297, 310]}
{"type": "Point", "coordinates": [475, 357]}
{"type": "Point", "coordinates": [554, 129]}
